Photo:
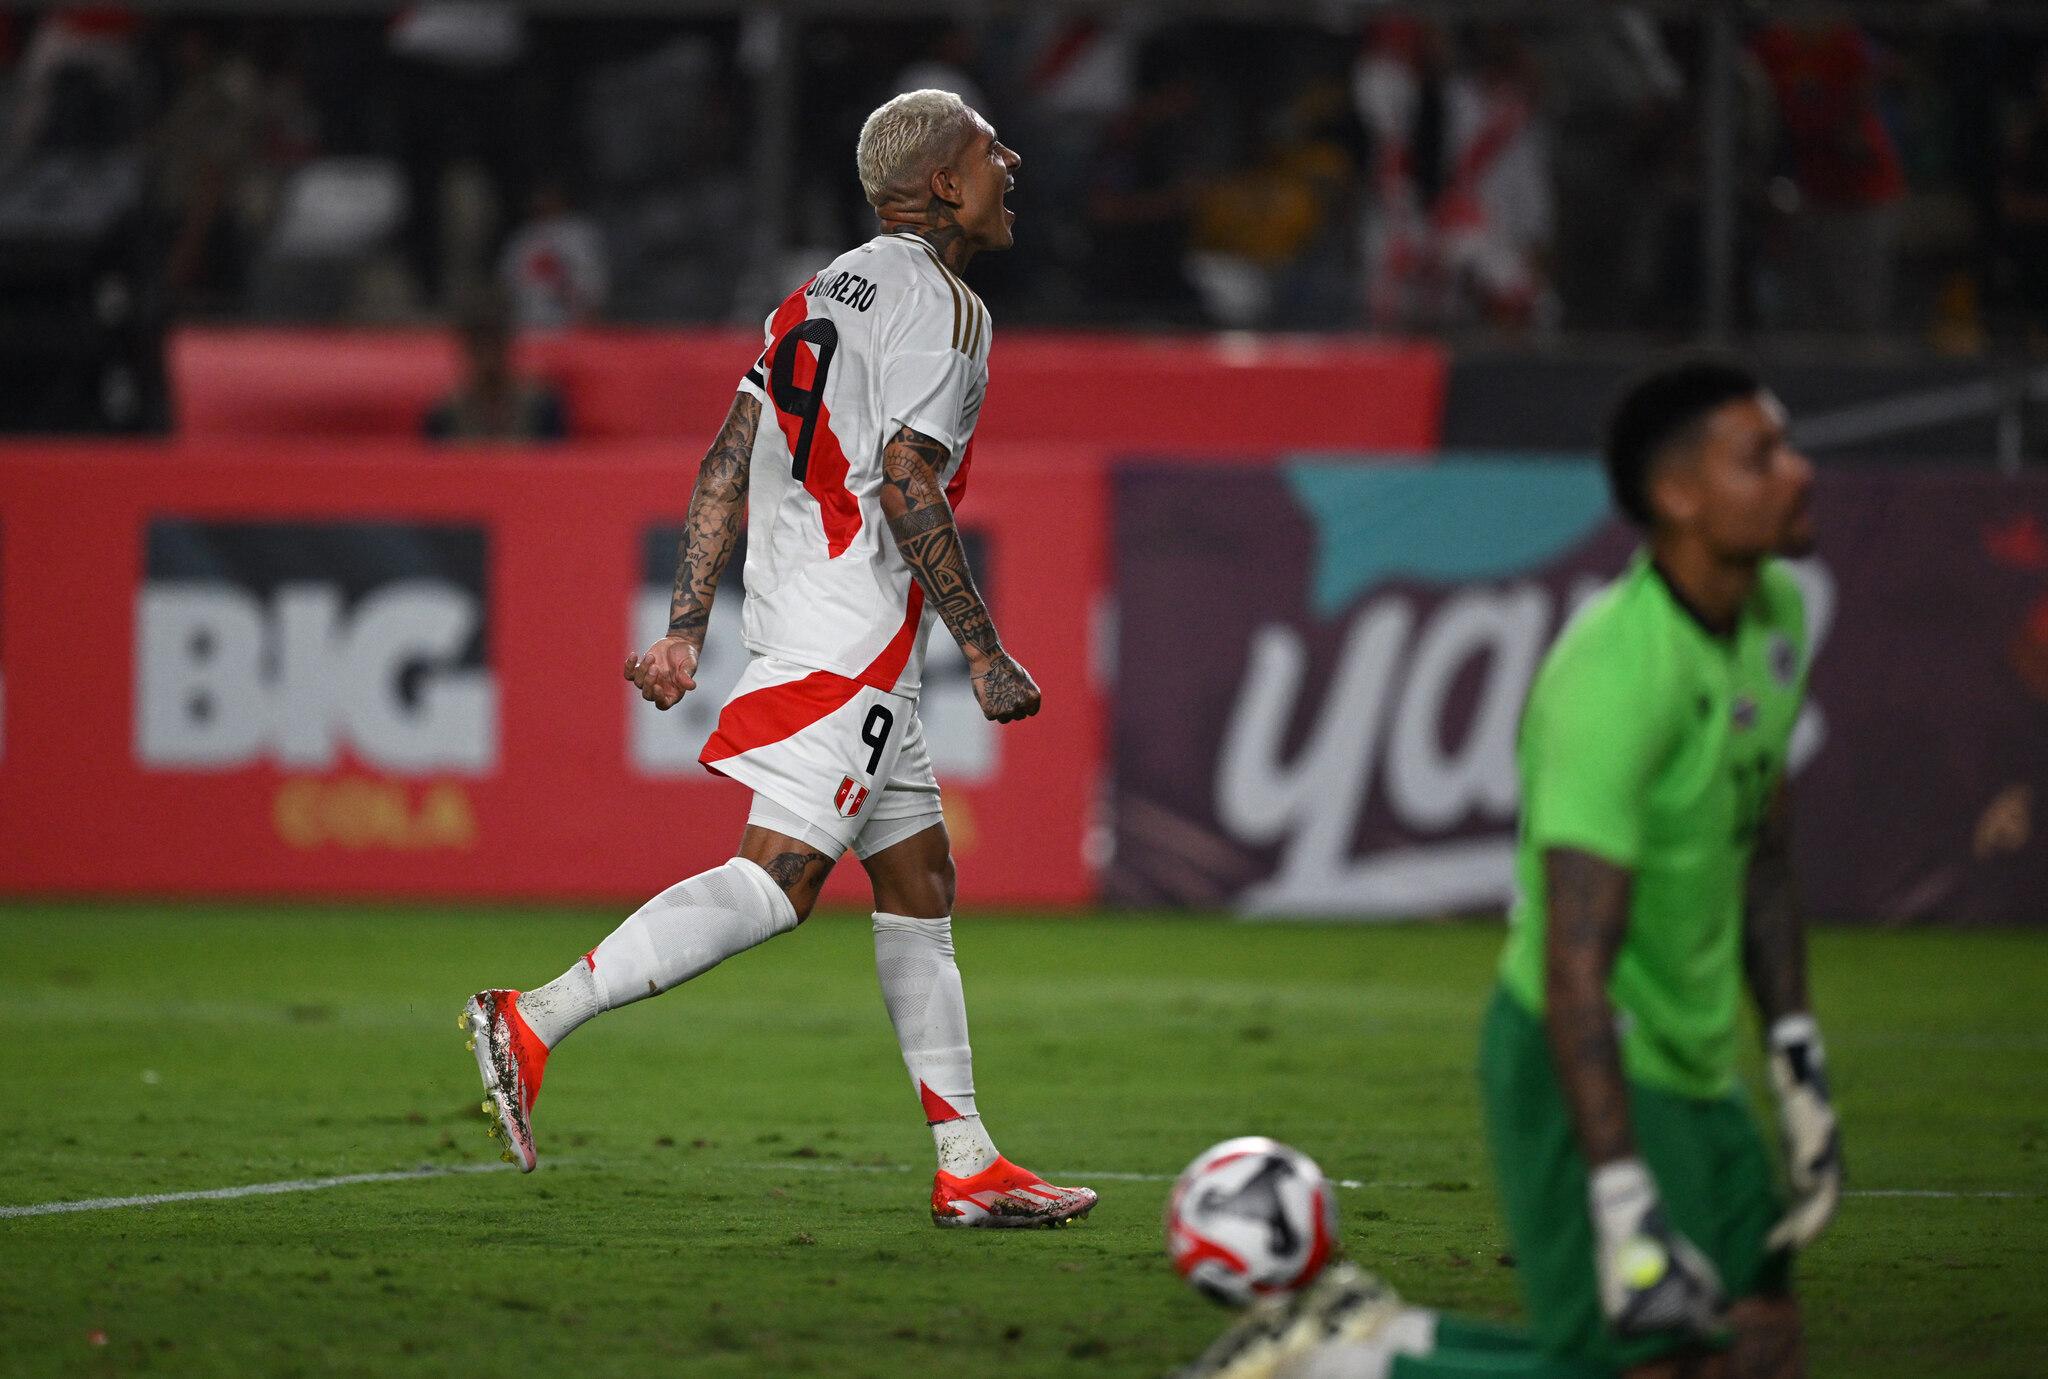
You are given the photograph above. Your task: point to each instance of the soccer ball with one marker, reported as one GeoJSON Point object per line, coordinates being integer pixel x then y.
{"type": "Point", "coordinates": [1250, 1217]}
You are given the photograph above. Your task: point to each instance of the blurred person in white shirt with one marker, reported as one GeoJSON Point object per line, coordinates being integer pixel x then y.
{"type": "Point", "coordinates": [555, 268]}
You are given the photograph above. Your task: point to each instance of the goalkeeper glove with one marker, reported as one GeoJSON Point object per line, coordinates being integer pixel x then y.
{"type": "Point", "coordinates": [1812, 1140]}
{"type": "Point", "coordinates": [1651, 1277]}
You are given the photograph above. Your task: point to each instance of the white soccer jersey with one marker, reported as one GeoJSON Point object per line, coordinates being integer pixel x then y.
{"type": "Point", "coordinates": [885, 337]}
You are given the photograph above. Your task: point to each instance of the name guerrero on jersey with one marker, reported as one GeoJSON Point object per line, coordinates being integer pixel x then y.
{"type": "Point", "coordinates": [884, 337]}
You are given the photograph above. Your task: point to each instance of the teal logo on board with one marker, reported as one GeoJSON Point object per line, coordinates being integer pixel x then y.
{"type": "Point", "coordinates": [1444, 523]}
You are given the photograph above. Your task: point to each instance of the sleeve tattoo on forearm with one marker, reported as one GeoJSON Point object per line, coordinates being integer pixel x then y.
{"type": "Point", "coordinates": [1587, 918]}
{"type": "Point", "coordinates": [922, 521]}
{"type": "Point", "coordinates": [718, 510]}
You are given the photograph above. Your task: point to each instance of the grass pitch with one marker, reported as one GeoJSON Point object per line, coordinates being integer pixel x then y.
{"type": "Point", "coordinates": [734, 1177]}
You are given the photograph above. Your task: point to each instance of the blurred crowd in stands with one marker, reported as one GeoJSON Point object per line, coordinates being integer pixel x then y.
{"type": "Point", "coordinates": [1501, 178]}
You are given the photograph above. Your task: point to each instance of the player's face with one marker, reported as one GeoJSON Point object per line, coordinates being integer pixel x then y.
{"type": "Point", "coordinates": [985, 170]}
{"type": "Point", "coordinates": [1748, 490]}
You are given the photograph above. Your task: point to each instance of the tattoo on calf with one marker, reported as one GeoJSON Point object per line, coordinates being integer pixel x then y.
{"type": "Point", "coordinates": [792, 870]}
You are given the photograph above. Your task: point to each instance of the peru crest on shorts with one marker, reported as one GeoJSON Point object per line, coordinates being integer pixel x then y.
{"type": "Point", "coordinates": [849, 798]}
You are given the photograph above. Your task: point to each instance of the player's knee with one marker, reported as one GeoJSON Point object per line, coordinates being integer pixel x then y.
{"type": "Point", "coordinates": [934, 887]}
{"type": "Point", "coordinates": [925, 891]}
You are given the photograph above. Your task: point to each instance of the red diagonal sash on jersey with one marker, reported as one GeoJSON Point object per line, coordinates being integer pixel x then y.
{"type": "Point", "coordinates": [776, 713]}
{"type": "Point", "coordinates": [956, 487]}
{"type": "Point", "coordinates": [825, 473]}
{"type": "Point", "coordinates": [770, 715]}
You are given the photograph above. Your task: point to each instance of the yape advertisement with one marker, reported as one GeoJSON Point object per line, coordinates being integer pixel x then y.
{"type": "Point", "coordinates": [1366, 635]}
{"type": "Point", "coordinates": [355, 671]}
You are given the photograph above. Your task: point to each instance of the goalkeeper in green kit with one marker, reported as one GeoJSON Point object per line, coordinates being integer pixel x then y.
{"type": "Point", "coordinates": [1650, 1232]}
{"type": "Point", "coordinates": [1654, 878]}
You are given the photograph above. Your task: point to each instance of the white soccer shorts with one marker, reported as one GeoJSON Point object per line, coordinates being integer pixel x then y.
{"type": "Point", "coordinates": [836, 753]}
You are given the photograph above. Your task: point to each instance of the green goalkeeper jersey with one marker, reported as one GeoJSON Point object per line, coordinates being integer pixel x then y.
{"type": "Point", "coordinates": [1654, 744]}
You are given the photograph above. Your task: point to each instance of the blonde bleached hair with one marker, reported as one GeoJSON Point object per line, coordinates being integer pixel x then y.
{"type": "Point", "coordinates": [906, 138]}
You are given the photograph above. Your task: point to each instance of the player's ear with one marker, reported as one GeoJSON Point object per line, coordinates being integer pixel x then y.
{"type": "Point", "coordinates": [1673, 492]}
{"type": "Point", "coordinates": [945, 185]}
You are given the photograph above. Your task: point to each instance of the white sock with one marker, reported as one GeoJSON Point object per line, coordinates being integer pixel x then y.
{"type": "Point", "coordinates": [921, 988]}
{"type": "Point", "coordinates": [553, 1010]}
{"type": "Point", "coordinates": [682, 933]}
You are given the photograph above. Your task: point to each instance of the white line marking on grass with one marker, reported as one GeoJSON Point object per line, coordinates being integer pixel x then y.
{"type": "Point", "coordinates": [216, 1194]}
{"type": "Point", "coordinates": [1084, 1175]}
{"type": "Point", "coordinates": [1934, 1192]}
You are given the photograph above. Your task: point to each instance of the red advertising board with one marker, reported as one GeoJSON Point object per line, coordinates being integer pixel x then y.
{"type": "Point", "coordinates": [1122, 394]}
{"type": "Point", "coordinates": [378, 670]}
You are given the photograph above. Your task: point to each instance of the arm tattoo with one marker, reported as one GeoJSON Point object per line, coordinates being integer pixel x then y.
{"type": "Point", "coordinates": [1587, 917]}
{"type": "Point", "coordinates": [718, 508]}
{"type": "Point", "coordinates": [922, 521]}
{"type": "Point", "coordinates": [1773, 935]}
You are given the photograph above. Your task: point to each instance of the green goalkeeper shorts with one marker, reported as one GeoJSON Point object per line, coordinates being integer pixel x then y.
{"type": "Point", "coordinates": [1711, 1167]}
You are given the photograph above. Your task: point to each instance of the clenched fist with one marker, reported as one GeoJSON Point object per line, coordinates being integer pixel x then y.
{"type": "Point", "coordinates": [1004, 689]}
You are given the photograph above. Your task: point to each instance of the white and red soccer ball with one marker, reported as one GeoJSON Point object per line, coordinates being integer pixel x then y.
{"type": "Point", "coordinates": [1251, 1217]}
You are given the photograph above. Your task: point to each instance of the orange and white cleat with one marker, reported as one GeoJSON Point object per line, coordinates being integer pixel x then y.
{"type": "Point", "coordinates": [511, 1057]}
{"type": "Point", "coordinates": [1004, 1195]}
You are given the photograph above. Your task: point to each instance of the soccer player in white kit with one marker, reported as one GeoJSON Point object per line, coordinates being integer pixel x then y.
{"type": "Point", "coordinates": [845, 453]}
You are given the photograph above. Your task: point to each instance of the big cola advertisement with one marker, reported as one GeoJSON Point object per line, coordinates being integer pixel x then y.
{"type": "Point", "coordinates": [1321, 670]}
{"type": "Point", "coordinates": [344, 664]}
{"type": "Point", "coordinates": [332, 670]}
{"type": "Point", "coordinates": [302, 644]}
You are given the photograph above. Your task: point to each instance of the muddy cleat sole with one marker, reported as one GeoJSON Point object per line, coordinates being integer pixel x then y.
{"type": "Point", "coordinates": [1006, 1197]}
{"type": "Point", "coordinates": [509, 1058]}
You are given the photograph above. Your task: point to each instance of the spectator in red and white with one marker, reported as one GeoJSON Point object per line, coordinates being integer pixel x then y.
{"type": "Point", "coordinates": [1846, 177]}
{"type": "Point", "coordinates": [1460, 224]}
{"type": "Point", "coordinates": [555, 268]}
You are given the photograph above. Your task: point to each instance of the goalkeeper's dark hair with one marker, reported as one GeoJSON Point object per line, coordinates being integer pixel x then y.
{"type": "Point", "coordinates": [1660, 409]}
